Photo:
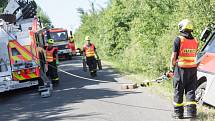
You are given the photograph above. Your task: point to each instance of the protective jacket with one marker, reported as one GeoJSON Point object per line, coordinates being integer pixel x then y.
{"type": "Point", "coordinates": [89, 50]}
{"type": "Point", "coordinates": [50, 54]}
{"type": "Point", "coordinates": [187, 53]}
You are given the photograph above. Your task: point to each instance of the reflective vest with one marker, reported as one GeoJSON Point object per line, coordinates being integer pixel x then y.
{"type": "Point", "coordinates": [89, 51]}
{"type": "Point", "coordinates": [71, 45]}
{"type": "Point", "coordinates": [187, 52]}
{"type": "Point", "coordinates": [50, 54]}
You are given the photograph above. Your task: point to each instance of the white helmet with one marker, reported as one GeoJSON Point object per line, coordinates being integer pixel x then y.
{"type": "Point", "coordinates": [185, 24]}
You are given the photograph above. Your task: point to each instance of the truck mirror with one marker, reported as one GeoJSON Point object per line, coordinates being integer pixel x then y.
{"type": "Point", "coordinates": [205, 34]}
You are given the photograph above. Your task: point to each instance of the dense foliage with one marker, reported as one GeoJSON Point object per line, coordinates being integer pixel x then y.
{"type": "Point", "coordinates": [3, 4]}
{"type": "Point", "coordinates": [138, 34]}
{"type": "Point", "coordinates": [44, 18]}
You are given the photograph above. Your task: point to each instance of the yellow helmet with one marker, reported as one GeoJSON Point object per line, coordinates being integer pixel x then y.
{"type": "Point", "coordinates": [50, 41]}
{"type": "Point", "coordinates": [87, 38]}
{"type": "Point", "coordinates": [185, 24]}
{"type": "Point", "coordinates": [71, 38]}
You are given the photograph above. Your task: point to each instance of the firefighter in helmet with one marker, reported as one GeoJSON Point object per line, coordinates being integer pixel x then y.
{"type": "Point", "coordinates": [90, 55]}
{"type": "Point", "coordinates": [71, 45]}
{"type": "Point", "coordinates": [71, 38]}
{"type": "Point", "coordinates": [185, 70]}
{"type": "Point", "coordinates": [52, 61]}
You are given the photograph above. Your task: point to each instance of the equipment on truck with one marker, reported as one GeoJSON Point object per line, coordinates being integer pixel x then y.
{"type": "Point", "coordinates": [22, 58]}
{"type": "Point", "coordinates": [206, 69]}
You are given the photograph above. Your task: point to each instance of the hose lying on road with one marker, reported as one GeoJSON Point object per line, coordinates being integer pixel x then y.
{"type": "Point", "coordinates": [74, 75]}
{"type": "Point", "coordinates": [135, 106]}
{"type": "Point", "coordinates": [116, 103]}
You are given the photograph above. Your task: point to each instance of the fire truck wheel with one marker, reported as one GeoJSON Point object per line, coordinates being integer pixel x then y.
{"type": "Point", "coordinates": [200, 91]}
{"type": "Point", "coordinates": [8, 18]}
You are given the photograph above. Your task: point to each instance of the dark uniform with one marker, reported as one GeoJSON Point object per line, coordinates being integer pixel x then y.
{"type": "Point", "coordinates": [89, 51]}
{"type": "Point", "coordinates": [185, 74]}
{"type": "Point", "coordinates": [52, 66]}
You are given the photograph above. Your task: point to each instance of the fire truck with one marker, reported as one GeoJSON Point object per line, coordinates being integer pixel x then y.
{"type": "Point", "coordinates": [22, 59]}
{"type": "Point", "coordinates": [206, 68]}
{"type": "Point", "coordinates": [60, 36]}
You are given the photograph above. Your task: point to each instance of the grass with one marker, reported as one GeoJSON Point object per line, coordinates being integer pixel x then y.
{"type": "Point", "coordinates": [164, 90]}
{"type": "Point", "coordinates": [206, 113]}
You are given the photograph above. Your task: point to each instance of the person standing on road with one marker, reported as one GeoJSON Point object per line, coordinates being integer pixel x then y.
{"type": "Point", "coordinates": [52, 61]}
{"type": "Point", "coordinates": [183, 60]}
{"type": "Point", "coordinates": [71, 45]}
{"type": "Point", "coordinates": [90, 55]}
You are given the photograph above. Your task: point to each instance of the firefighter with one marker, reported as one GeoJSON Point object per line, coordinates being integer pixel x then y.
{"type": "Point", "coordinates": [90, 55]}
{"type": "Point", "coordinates": [52, 61]}
{"type": "Point", "coordinates": [71, 45]}
{"type": "Point", "coordinates": [185, 70]}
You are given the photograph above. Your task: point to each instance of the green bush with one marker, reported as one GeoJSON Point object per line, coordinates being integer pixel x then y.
{"type": "Point", "coordinates": [138, 34]}
{"type": "Point", "coordinates": [3, 4]}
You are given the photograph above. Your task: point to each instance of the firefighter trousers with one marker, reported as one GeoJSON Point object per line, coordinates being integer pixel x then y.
{"type": "Point", "coordinates": [185, 81]}
{"type": "Point", "coordinates": [91, 62]}
{"type": "Point", "coordinates": [52, 71]}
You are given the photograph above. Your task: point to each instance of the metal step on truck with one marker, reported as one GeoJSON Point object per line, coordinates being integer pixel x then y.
{"type": "Point", "coordinates": [22, 58]}
{"type": "Point", "coordinates": [205, 92]}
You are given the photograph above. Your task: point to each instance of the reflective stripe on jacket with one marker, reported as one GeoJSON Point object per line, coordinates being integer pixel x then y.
{"type": "Point", "coordinates": [187, 52]}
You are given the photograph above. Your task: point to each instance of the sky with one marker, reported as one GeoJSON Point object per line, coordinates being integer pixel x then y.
{"type": "Point", "coordinates": [63, 13]}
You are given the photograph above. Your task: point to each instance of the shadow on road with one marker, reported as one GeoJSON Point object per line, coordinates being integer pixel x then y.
{"type": "Point", "coordinates": [27, 105]}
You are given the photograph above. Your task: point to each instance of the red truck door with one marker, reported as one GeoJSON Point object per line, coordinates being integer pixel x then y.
{"type": "Point", "coordinates": [207, 63]}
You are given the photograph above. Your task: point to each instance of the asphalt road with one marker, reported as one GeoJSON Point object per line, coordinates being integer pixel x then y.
{"type": "Point", "coordinates": [76, 99]}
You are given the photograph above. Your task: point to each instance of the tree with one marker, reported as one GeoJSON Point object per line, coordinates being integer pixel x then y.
{"type": "Point", "coordinates": [81, 11]}
{"type": "Point", "coordinates": [3, 4]}
{"type": "Point", "coordinates": [44, 18]}
{"type": "Point", "coordinates": [138, 34]}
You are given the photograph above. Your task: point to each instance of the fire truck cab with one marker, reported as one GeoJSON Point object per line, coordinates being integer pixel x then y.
{"type": "Point", "coordinates": [206, 68]}
{"type": "Point", "coordinates": [60, 36]}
